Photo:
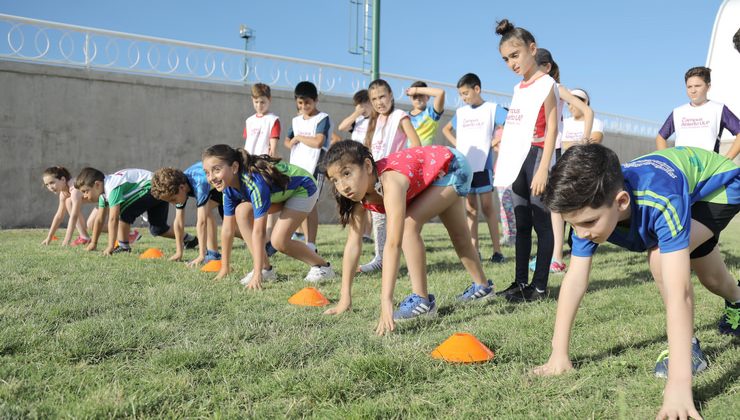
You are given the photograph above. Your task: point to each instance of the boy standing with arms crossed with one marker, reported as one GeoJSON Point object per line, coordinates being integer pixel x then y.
{"type": "Point", "coordinates": [424, 116]}
{"type": "Point", "coordinates": [673, 204]}
{"type": "Point", "coordinates": [262, 130]}
{"type": "Point", "coordinates": [475, 125]}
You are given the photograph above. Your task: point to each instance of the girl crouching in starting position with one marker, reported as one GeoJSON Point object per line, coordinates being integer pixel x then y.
{"type": "Point", "coordinates": [411, 187]}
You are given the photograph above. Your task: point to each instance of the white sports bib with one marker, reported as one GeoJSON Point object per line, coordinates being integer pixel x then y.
{"type": "Point", "coordinates": [698, 126]}
{"type": "Point", "coordinates": [301, 155]}
{"type": "Point", "coordinates": [258, 133]}
{"type": "Point", "coordinates": [387, 137]}
{"type": "Point", "coordinates": [474, 132]}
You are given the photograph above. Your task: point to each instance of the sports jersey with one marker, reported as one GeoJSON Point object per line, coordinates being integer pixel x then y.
{"type": "Point", "coordinates": [573, 129]}
{"type": "Point", "coordinates": [256, 190]}
{"type": "Point", "coordinates": [425, 123]}
{"type": "Point", "coordinates": [305, 156]}
{"type": "Point", "coordinates": [662, 187]}
{"type": "Point", "coordinates": [199, 186]}
{"type": "Point", "coordinates": [474, 127]}
{"type": "Point", "coordinates": [258, 131]}
{"type": "Point", "coordinates": [421, 165]}
{"type": "Point", "coordinates": [124, 187]}
{"type": "Point", "coordinates": [359, 129]}
{"type": "Point", "coordinates": [388, 136]}
{"type": "Point", "coordinates": [700, 126]}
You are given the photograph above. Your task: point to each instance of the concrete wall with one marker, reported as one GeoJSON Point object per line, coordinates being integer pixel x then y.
{"type": "Point", "coordinates": [66, 116]}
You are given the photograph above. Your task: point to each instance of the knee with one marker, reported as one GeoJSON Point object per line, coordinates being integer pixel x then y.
{"type": "Point", "coordinates": [158, 230]}
{"type": "Point", "coordinates": [280, 243]}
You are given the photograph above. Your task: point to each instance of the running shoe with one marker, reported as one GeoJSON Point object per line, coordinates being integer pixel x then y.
{"type": "Point", "coordinates": [80, 241]}
{"type": "Point", "coordinates": [119, 250]}
{"type": "Point", "coordinates": [297, 236]}
{"type": "Point", "coordinates": [366, 239]}
{"type": "Point", "coordinates": [557, 267]}
{"type": "Point", "coordinates": [212, 255]}
{"type": "Point", "coordinates": [191, 243]}
{"type": "Point", "coordinates": [497, 258]}
{"type": "Point", "coordinates": [374, 265]}
{"type": "Point", "coordinates": [318, 274]}
{"type": "Point", "coordinates": [134, 236]}
{"type": "Point", "coordinates": [415, 306]}
{"type": "Point", "coordinates": [698, 360]}
{"type": "Point", "coordinates": [267, 276]}
{"type": "Point", "coordinates": [476, 292]}
{"type": "Point", "coordinates": [526, 294]}
{"type": "Point", "coordinates": [730, 322]}
{"type": "Point", "coordinates": [269, 249]}
{"type": "Point", "coordinates": [513, 287]}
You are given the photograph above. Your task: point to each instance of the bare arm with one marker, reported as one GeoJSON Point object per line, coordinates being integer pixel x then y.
{"type": "Point", "coordinates": [272, 151]}
{"type": "Point", "coordinates": [447, 132]}
{"type": "Point", "coordinates": [201, 231]}
{"type": "Point", "coordinates": [539, 181]}
{"type": "Point", "coordinates": [660, 142]}
{"type": "Point", "coordinates": [97, 228]}
{"type": "Point", "coordinates": [113, 214]}
{"type": "Point", "coordinates": [178, 226]}
{"type": "Point", "coordinates": [438, 94]}
{"type": "Point", "coordinates": [259, 255]}
{"type": "Point", "coordinates": [588, 113]}
{"type": "Point", "coordinates": [350, 259]}
{"type": "Point", "coordinates": [735, 149]}
{"type": "Point", "coordinates": [56, 221]}
{"type": "Point", "coordinates": [346, 123]}
{"type": "Point", "coordinates": [227, 240]}
{"type": "Point", "coordinates": [313, 141]}
{"type": "Point", "coordinates": [75, 213]}
{"type": "Point", "coordinates": [410, 132]}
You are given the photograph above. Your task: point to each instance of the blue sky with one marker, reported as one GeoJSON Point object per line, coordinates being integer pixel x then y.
{"type": "Point", "coordinates": [630, 55]}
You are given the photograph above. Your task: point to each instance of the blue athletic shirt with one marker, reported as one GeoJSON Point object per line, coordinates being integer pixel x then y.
{"type": "Point", "coordinates": [662, 186]}
{"type": "Point", "coordinates": [255, 189]}
{"type": "Point", "coordinates": [199, 186]}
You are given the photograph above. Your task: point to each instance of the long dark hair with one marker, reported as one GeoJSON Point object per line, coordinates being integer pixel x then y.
{"type": "Point", "coordinates": [250, 164]}
{"type": "Point", "coordinates": [374, 115]}
{"type": "Point", "coordinates": [346, 152]}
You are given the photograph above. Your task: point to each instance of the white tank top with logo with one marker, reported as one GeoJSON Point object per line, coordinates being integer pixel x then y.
{"type": "Point", "coordinates": [302, 155]}
{"type": "Point", "coordinates": [474, 133]}
{"type": "Point", "coordinates": [258, 133]}
{"type": "Point", "coordinates": [698, 126]}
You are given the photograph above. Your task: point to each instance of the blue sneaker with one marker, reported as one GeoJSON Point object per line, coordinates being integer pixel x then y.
{"type": "Point", "coordinates": [532, 264]}
{"type": "Point", "coordinates": [415, 306]}
{"type": "Point", "coordinates": [297, 236]}
{"type": "Point", "coordinates": [269, 249]}
{"type": "Point", "coordinates": [477, 292]}
{"type": "Point", "coordinates": [698, 361]}
{"type": "Point", "coordinates": [212, 255]}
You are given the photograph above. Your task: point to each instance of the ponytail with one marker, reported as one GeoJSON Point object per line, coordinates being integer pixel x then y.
{"type": "Point", "coordinates": [250, 164]}
{"type": "Point", "coordinates": [58, 172]}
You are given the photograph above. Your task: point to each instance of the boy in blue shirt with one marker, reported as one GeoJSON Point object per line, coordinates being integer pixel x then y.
{"type": "Point", "coordinates": [673, 204]}
{"type": "Point", "coordinates": [175, 187]}
{"type": "Point", "coordinates": [425, 116]}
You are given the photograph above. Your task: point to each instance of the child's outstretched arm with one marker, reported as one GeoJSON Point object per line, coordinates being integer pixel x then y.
{"type": "Point", "coordinates": [437, 93]}
{"type": "Point", "coordinates": [56, 221]}
{"type": "Point", "coordinates": [178, 226]}
{"type": "Point", "coordinates": [447, 132]}
{"type": "Point", "coordinates": [114, 213]}
{"type": "Point", "coordinates": [588, 113]}
{"type": "Point", "coordinates": [395, 186]}
{"type": "Point", "coordinates": [96, 229]}
{"type": "Point", "coordinates": [350, 259]}
{"type": "Point", "coordinates": [572, 289]}
{"type": "Point", "coordinates": [259, 255]}
{"type": "Point", "coordinates": [201, 231]}
{"type": "Point", "coordinates": [227, 240]}
{"type": "Point", "coordinates": [75, 216]}
{"type": "Point", "coordinates": [346, 123]}
{"type": "Point", "coordinates": [539, 181]}
{"type": "Point", "coordinates": [410, 132]}
{"type": "Point", "coordinates": [678, 297]}
{"type": "Point", "coordinates": [735, 149]}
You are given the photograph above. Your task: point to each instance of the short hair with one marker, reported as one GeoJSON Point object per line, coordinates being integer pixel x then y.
{"type": "Point", "coordinates": [58, 172]}
{"type": "Point", "coordinates": [418, 83]}
{"type": "Point", "coordinates": [586, 175]}
{"type": "Point", "coordinates": [87, 177]}
{"type": "Point", "coordinates": [261, 89]}
{"type": "Point", "coordinates": [166, 182]}
{"type": "Point", "coordinates": [736, 40]}
{"type": "Point", "coordinates": [306, 89]}
{"type": "Point", "coordinates": [470, 80]}
{"type": "Point", "coordinates": [704, 73]}
{"type": "Point", "coordinates": [361, 97]}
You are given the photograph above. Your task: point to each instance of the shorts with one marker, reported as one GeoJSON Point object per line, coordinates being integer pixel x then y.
{"type": "Point", "coordinates": [318, 176]}
{"type": "Point", "coordinates": [302, 204]}
{"type": "Point", "coordinates": [482, 182]}
{"type": "Point", "coordinates": [218, 197]}
{"type": "Point", "coordinates": [156, 211]}
{"type": "Point", "coordinates": [714, 216]}
{"type": "Point", "coordinates": [459, 175]}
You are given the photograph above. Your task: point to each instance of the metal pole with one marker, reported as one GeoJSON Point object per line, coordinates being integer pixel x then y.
{"type": "Point", "coordinates": [375, 71]}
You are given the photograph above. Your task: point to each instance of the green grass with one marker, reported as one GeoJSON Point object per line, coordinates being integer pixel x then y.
{"type": "Point", "coordinates": [86, 336]}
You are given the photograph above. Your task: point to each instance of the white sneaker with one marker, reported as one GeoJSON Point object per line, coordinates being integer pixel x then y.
{"type": "Point", "coordinates": [312, 247]}
{"type": "Point", "coordinates": [317, 274]}
{"type": "Point", "coordinates": [374, 265]}
{"type": "Point", "coordinates": [267, 276]}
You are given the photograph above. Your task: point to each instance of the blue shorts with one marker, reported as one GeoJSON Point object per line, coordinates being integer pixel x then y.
{"type": "Point", "coordinates": [482, 182]}
{"type": "Point", "coordinates": [459, 175]}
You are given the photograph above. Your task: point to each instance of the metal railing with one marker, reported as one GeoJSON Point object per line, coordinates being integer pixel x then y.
{"type": "Point", "coordinates": [45, 42]}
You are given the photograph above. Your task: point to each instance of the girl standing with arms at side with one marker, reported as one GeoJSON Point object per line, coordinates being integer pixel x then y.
{"type": "Point", "coordinates": [389, 130]}
{"type": "Point", "coordinates": [57, 180]}
{"type": "Point", "coordinates": [525, 156]}
{"type": "Point", "coordinates": [252, 187]}
{"type": "Point", "coordinates": [410, 187]}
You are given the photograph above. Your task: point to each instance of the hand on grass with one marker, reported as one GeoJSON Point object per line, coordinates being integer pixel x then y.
{"type": "Point", "coordinates": [46, 241]}
{"type": "Point", "coordinates": [91, 246]}
{"type": "Point", "coordinates": [222, 273]}
{"type": "Point", "coordinates": [341, 307]}
{"type": "Point", "coordinates": [539, 181]}
{"type": "Point", "coordinates": [677, 403]}
{"type": "Point", "coordinates": [196, 262]}
{"type": "Point", "coordinates": [176, 257]}
{"type": "Point", "coordinates": [554, 366]}
{"type": "Point", "coordinates": [385, 324]}
{"type": "Point", "coordinates": [254, 284]}
{"type": "Point", "coordinates": [108, 250]}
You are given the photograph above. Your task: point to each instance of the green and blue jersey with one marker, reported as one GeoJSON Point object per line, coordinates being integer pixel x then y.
{"type": "Point", "coordinates": [124, 187]}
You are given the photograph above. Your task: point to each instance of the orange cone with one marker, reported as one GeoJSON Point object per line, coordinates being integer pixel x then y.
{"type": "Point", "coordinates": [213, 266]}
{"type": "Point", "coordinates": [308, 297]}
{"type": "Point", "coordinates": [54, 238]}
{"type": "Point", "coordinates": [151, 253]}
{"type": "Point", "coordinates": [463, 348]}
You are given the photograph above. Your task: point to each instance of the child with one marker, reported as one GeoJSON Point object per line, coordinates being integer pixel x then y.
{"type": "Point", "coordinates": [700, 122]}
{"type": "Point", "coordinates": [574, 131]}
{"type": "Point", "coordinates": [424, 116]}
{"type": "Point", "coordinates": [673, 204]}
{"type": "Point", "coordinates": [356, 123]}
{"type": "Point", "coordinates": [307, 140]}
{"type": "Point", "coordinates": [252, 187]}
{"type": "Point", "coordinates": [262, 130]}
{"type": "Point", "coordinates": [175, 186]}
{"type": "Point", "coordinates": [126, 195]}
{"type": "Point", "coordinates": [525, 155]}
{"type": "Point", "coordinates": [58, 181]}
{"type": "Point", "coordinates": [389, 131]}
{"type": "Point", "coordinates": [411, 187]}
{"type": "Point", "coordinates": [475, 125]}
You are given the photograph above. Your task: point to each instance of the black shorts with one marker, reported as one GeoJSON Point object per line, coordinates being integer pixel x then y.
{"type": "Point", "coordinates": [156, 211]}
{"type": "Point", "coordinates": [714, 216]}
{"type": "Point", "coordinates": [218, 197]}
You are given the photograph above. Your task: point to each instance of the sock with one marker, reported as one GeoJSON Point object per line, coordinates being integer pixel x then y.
{"type": "Point", "coordinates": [124, 244]}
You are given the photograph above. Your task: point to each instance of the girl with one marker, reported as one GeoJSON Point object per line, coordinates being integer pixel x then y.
{"type": "Point", "coordinates": [57, 180]}
{"type": "Point", "coordinates": [525, 156]}
{"type": "Point", "coordinates": [410, 187]}
{"type": "Point", "coordinates": [252, 187]}
{"type": "Point", "coordinates": [389, 130]}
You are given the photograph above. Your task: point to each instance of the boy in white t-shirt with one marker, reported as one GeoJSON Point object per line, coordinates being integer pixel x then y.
{"type": "Point", "coordinates": [262, 130]}
{"type": "Point", "coordinates": [475, 125]}
{"type": "Point", "coordinates": [308, 140]}
{"type": "Point", "coordinates": [700, 122]}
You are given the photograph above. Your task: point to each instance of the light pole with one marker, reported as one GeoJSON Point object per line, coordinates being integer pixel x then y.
{"type": "Point", "coordinates": [248, 34]}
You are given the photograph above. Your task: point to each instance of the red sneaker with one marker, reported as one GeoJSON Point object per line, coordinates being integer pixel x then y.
{"type": "Point", "coordinates": [80, 241]}
{"type": "Point", "coordinates": [134, 236]}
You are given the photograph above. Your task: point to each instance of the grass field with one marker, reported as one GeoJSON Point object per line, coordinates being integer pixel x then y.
{"type": "Point", "coordinates": [86, 336]}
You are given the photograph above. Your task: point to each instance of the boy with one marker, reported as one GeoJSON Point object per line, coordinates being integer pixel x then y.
{"type": "Point", "coordinates": [175, 186]}
{"type": "Point", "coordinates": [262, 130]}
{"type": "Point", "coordinates": [673, 204]}
{"type": "Point", "coordinates": [475, 125]}
{"type": "Point", "coordinates": [424, 116]}
{"type": "Point", "coordinates": [357, 122]}
{"type": "Point", "coordinates": [307, 140]}
{"type": "Point", "coordinates": [126, 194]}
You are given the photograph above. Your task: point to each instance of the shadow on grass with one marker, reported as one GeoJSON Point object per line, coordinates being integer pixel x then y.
{"type": "Point", "coordinates": [719, 386]}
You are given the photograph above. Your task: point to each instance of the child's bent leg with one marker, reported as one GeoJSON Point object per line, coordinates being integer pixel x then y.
{"type": "Point", "coordinates": [244, 216]}
{"type": "Point", "coordinates": [311, 226]}
{"type": "Point", "coordinates": [463, 247]}
{"type": "Point", "coordinates": [379, 231]}
{"type": "Point", "coordinates": [543, 227]}
{"type": "Point", "coordinates": [287, 223]}
{"type": "Point", "coordinates": [708, 264]}
{"type": "Point", "coordinates": [211, 226]}
{"type": "Point", "coordinates": [489, 207]}
{"type": "Point", "coordinates": [471, 214]}
{"type": "Point", "coordinates": [157, 215]}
